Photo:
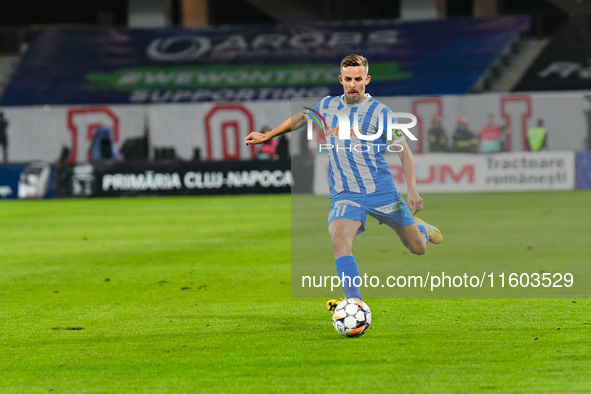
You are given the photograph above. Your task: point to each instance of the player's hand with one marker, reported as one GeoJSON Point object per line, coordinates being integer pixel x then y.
{"type": "Point", "coordinates": [415, 202]}
{"type": "Point", "coordinates": [255, 138]}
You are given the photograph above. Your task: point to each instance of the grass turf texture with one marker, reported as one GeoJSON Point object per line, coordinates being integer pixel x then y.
{"type": "Point", "coordinates": [161, 295]}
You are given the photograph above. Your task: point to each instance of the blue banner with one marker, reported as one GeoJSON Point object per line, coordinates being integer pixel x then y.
{"type": "Point", "coordinates": [30, 180]}
{"type": "Point", "coordinates": [255, 63]}
{"type": "Point", "coordinates": [583, 170]}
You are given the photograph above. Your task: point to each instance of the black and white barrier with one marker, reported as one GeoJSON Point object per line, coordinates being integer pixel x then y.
{"type": "Point", "coordinates": [112, 179]}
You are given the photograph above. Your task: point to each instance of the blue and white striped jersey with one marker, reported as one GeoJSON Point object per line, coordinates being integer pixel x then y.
{"type": "Point", "coordinates": [357, 165]}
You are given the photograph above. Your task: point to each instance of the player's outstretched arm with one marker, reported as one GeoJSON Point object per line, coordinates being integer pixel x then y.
{"type": "Point", "coordinates": [415, 202]}
{"type": "Point", "coordinates": [293, 123]}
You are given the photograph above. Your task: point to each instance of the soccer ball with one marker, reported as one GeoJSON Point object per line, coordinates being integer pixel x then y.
{"type": "Point", "coordinates": [351, 317]}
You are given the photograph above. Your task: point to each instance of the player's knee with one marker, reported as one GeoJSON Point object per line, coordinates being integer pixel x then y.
{"type": "Point", "coordinates": [340, 244]}
{"type": "Point", "coordinates": [417, 247]}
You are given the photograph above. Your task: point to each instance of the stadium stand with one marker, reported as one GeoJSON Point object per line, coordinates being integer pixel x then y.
{"type": "Point", "coordinates": [525, 53]}
{"type": "Point", "coordinates": [564, 62]}
{"type": "Point", "coordinates": [409, 58]}
{"type": "Point", "coordinates": [8, 65]}
{"type": "Point", "coordinates": [111, 78]}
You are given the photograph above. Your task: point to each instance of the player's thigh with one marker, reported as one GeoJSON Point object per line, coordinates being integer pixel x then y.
{"type": "Point", "coordinates": [343, 210]}
{"type": "Point", "coordinates": [346, 228]}
{"type": "Point", "coordinates": [342, 234]}
{"type": "Point", "coordinates": [409, 235]}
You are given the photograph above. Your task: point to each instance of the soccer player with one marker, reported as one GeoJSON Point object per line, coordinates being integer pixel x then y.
{"type": "Point", "coordinates": [360, 181]}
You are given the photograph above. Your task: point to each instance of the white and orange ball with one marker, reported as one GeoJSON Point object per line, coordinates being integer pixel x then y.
{"type": "Point", "coordinates": [351, 317]}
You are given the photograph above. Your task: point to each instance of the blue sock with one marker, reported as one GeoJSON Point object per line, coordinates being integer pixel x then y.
{"type": "Point", "coordinates": [423, 229]}
{"type": "Point", "coordinates": [347, 267]}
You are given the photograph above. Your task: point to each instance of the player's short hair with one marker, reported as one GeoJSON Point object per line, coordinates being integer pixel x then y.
{"type": "Point", "coordinates": [354, 60]}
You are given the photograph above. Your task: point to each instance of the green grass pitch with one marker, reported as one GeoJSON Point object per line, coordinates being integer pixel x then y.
{"type": "Point", "coordinates": [192, 295]}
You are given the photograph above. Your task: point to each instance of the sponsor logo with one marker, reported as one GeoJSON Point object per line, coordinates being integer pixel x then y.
{"type": "Point", "coordinates": [396, 206]}
{"type": "Point", "coordinates": [192, 47]}
{"type": "Point", "coordinates": [83, 180]}
{"type": "Point", "coordinates": [564, 70]}
{"type": "Point", "coordinates": [237, 179]}
{"type": "Point", "coordinates": [346, 202]}
{"type": "Point", "coordinates": [151, 180]}
{"type": "Point", "coordinates": [438, 173]}
{"type": "Point", "coordinates": [224, 95]}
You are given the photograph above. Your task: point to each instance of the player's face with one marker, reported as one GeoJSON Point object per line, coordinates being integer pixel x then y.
{"type": "Point", "coordinates": [354, 80]}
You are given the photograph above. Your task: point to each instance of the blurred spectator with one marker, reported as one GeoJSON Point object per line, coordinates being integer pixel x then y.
{"type": "Point", "coordinates": [505, 136]}
{"type": "Point", "coordinates": [268, 149]}
{"type": "Point", "coordinates": [64, 155]}
{"type": "Point", "coordinates": [283, 147]}
{"type": "Point", "coordinates": [537, 138]}
{"type": "Point", "coordinates": [493, 139]}
{"type": "Point", "coordinates": [490, 136]}
{"type": "Point", "coordinates": [103, 147]}
{"type": "Point", "coordinates": [463, 139]}
{"type": "Point", "coordinates": [437, 136]}
{"type": "Point", "coordinates": [4, 137]}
